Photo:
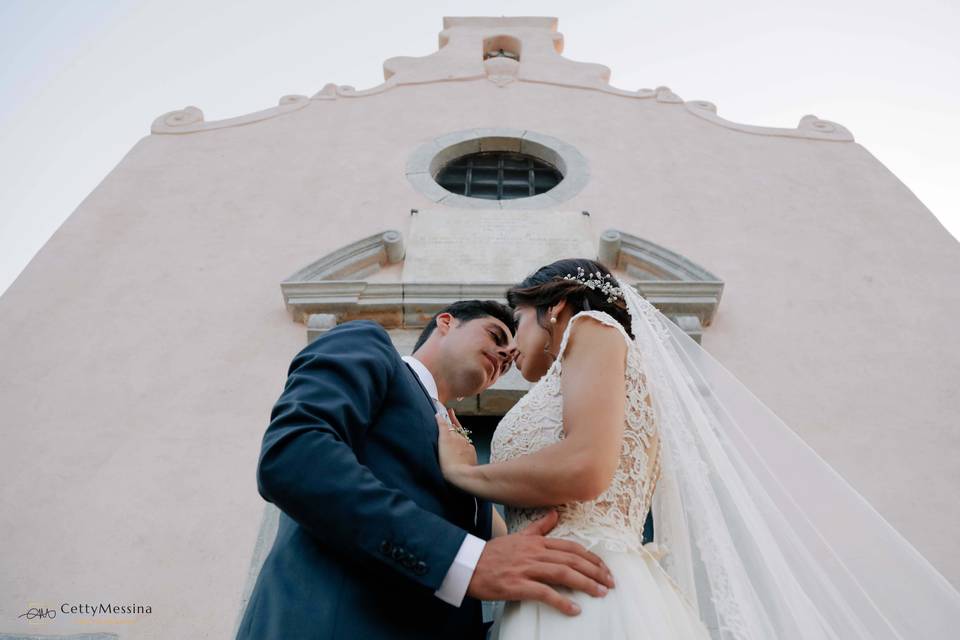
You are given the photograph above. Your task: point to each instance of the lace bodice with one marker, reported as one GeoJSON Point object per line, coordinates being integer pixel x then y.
{"type": "Point", "coordinates": [614, 520]}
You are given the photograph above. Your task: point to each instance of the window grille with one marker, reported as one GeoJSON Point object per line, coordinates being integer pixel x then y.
{"type": "Point", "coordinates": [498, 175]}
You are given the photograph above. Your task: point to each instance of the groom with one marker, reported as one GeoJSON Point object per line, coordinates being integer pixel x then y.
{"type": "Point", "coordinates": [372, 542]}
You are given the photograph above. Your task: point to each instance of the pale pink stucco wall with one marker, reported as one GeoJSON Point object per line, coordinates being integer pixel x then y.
{"type": "Point", "coordinates": [144, 345]}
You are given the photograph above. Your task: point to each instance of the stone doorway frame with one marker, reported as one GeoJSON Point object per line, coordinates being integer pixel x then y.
{"type": "Point", "coordinates": [339, 287]}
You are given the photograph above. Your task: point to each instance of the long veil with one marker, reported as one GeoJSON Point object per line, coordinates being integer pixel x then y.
{"type": "Point", "coordinates": [761, 534]}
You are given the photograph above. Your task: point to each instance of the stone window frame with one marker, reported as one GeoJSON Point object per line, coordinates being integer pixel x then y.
{"type": "Point", "coordinates": [429, 158]}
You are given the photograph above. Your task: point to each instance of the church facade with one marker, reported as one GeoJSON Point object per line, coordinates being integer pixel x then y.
{"type": "Point", "coordinates": [145, 344]}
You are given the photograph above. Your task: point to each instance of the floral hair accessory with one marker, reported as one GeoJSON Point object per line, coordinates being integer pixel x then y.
{"type": "Point", "coordinates": [602, 281]}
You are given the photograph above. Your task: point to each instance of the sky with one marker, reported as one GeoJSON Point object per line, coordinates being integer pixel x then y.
{"type": "Point", "coordinates": [81, 81]}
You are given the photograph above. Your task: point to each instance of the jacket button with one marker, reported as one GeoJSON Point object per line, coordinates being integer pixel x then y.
{"type": "Point", "coordinates": [399, 553]}
{"type": "Point", "coordinates": [409, 562]}
{"type": "Point", "coordinates": [386, 548]}
{"type": "Point", "coordinates": [420, 568]}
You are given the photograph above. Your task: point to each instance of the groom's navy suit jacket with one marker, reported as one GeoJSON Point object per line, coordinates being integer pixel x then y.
{"type": "Point", "coordinates": [368, 526]}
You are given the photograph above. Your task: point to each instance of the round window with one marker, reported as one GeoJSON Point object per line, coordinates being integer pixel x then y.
{"type": "Point", "coordinates": [497, 168]}
{"type": "Point", "coordinates": [498, 175]}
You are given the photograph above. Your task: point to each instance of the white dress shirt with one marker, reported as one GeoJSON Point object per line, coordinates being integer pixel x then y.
{"type": "Point", "coordinates": [455, 583]}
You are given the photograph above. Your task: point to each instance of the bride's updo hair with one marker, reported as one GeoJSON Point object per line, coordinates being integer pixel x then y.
{"type": "Point", "coordinates": [548, 285]}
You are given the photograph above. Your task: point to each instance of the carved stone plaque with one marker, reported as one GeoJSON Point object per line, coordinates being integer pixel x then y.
{"type": "Point", "coordinates": [492, 245]}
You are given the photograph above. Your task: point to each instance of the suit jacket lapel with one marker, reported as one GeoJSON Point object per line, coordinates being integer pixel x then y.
{"type": "Point", "coordinates": [430, 403]}
{"type": "Point", "coordinates": [476, 504]}
{"type": "Point", "coordinates": [422, 388]}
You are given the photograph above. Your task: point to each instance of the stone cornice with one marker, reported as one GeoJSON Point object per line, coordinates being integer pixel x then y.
{"type": "Point", "coordinates": [337, 287]}
{"type": "Point", "coordinates": [810, 126]}
{"type": "Point", "coordinates": [681, 289]}
{"type": "Point", "coordinates": [458, 60]}
{"type": "Point", "coordinates": [190, 119]}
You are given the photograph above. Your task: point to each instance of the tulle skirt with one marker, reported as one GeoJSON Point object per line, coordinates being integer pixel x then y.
{"type": "Point", "coordinates": [644, 604]}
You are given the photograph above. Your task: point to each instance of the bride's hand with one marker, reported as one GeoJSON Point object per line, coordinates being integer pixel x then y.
{"type": "Point", "coordinates": [456, 452]}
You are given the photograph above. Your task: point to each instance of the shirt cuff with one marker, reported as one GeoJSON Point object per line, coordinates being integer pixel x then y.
{"type": "Point", "coordinates": [455, 583]}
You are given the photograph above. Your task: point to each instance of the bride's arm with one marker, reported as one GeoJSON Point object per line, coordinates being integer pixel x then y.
{"type": "Point", "coordinates": [579, 467]}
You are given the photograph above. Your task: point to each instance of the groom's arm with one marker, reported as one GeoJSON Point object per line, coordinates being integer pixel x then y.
{"type": "Point", "coordinates": [454, 586]}
{"type": "Point", "coordinates": [308, 467]}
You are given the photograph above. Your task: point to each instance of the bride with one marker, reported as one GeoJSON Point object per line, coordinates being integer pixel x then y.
{"type": "Point", "coordinates": [755, 537]}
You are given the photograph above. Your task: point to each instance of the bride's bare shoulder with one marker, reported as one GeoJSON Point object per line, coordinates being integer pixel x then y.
{"type": "Point", "coordinates": [591, 338]}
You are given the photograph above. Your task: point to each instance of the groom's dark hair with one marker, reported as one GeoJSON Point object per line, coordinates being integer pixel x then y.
{"type": "Point", "coordinates": [467, 310]}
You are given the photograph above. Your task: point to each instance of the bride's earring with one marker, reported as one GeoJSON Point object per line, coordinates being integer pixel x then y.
{"type": "Point", "coordinates": [546, 347]}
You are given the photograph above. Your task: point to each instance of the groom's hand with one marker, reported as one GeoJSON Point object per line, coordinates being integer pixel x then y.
{"type": "Point", "coordinates": [523, 566]}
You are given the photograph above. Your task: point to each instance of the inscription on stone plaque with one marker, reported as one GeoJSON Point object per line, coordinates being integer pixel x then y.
{"type": "Point", "coordinates": [492, 245]}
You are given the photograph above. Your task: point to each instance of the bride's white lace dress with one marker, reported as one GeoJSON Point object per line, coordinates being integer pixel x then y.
{"type": "Point", "coordinates": [646, 603]}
